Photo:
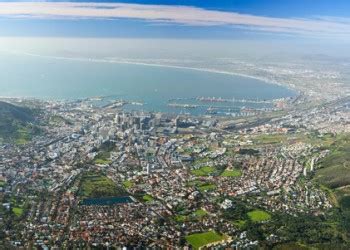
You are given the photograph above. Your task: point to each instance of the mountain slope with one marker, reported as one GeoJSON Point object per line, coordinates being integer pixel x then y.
{"type": "Point", "coordinates": [15, 123]}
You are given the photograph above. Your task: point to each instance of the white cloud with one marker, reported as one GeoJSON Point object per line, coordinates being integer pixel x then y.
{"type": "Point", "coordinates": [175, 14]}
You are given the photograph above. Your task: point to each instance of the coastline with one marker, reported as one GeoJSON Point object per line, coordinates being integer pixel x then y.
{"type": "Point", "coordinates": [129, 62]}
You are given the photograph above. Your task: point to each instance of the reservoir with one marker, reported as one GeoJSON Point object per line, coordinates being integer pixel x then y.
{"type": "Point", "coordinates": [106, 201]}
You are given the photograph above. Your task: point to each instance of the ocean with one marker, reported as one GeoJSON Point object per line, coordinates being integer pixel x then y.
{"type": "Point", "coordinates": [50, 78]}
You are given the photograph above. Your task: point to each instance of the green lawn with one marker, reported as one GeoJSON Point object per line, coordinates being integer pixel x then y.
{"type": "Point", "coordinates": [200, 213]}
{"type": "Point", "coordinates": [231, 173]}
{"type": "Point", "coordinates": [206, 187]}
{"type": "Point", "coordinates": [147, 198]}
{"type": "Point", "coordinates": [202, 239]}
{"type": "Point", "coordinates": [202, 185]}
{"type": "Point", "coordinates": [203, 171]}
{"type": "Point", "coordinates": [259, 216]}
{"type": "Point", "coordinates": [2, 183]}
{"type": "Point", "coordinates": [181, 218]}
{"type": "Point", "coordinates": [128, 184]}
{"type": "Point", "coordinates": [196, 183]}
{"type": "Point", "coordinates": [102, 161]}
{"type": "Point", "coordinates": [17, 211]}
{"type": "Point", "coordinates": [98, 185]}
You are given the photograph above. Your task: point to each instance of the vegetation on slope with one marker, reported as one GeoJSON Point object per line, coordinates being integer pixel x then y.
{"type": "Point", "coordinates": [16, 123]}
{"type": "Point", "coordinates": [335, 167]}
{"type": "Point", "coordinates": [334, 175]}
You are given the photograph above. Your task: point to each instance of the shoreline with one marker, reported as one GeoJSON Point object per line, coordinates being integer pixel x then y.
{"type": "Point", "coordinates": [128, 62]}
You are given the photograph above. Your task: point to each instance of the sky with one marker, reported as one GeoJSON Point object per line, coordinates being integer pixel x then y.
{"type": "Point", "coordinates": [211, 34]}
{"type": "Point", "coordinates": [199, 19]}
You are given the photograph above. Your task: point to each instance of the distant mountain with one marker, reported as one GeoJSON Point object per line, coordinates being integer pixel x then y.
{"type": "Point", "coordinates": [16, 123]}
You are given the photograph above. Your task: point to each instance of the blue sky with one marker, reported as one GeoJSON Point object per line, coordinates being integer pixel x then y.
{"type": "Point", "coordinates": [209, 19]}
{"type": "Point", "coordinates": [284, 8]}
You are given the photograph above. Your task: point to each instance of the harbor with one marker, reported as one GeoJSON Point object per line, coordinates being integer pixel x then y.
{"type": "Point", "coordinates": [228, 107]}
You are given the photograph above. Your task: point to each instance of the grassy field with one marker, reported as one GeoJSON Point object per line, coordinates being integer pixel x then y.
{"type": "Point", "coordinates": [181, 218]}
{"type": "Point", "coordinates": [147, 198]}
{"type": "Point", "coordinates": [98, 185]}
{"type": "Point", "coordinates": [206, 187]}
{"type": "Point", "coordinates": [259, 216]}
{"type": "Point", "coordinates": [200, 213]}
{"type": "Point", "coordinates": [231, 173]}
{"type": "Point", "coordinates": [202, 239]}
{"type": "Point", "coordinates": [102, 161]}
{"type": "Point", "coordinates": [19, 206]}
{"type": "Point", "coordinates": [17, 211]}
{"type": "Point", "coordinates": [128, 184]}
{"type": "Point", "coordinates": [202, 185]}
{"type": "Point", "coordinates": [203, 171]}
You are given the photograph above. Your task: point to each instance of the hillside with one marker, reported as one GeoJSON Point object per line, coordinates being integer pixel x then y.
{"type": "Point", "coordinates": [335, 167]}
{"type": "Point", "coordinates": [16, 123]}
{"type": "Point", "coordinates": [334, 174]}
